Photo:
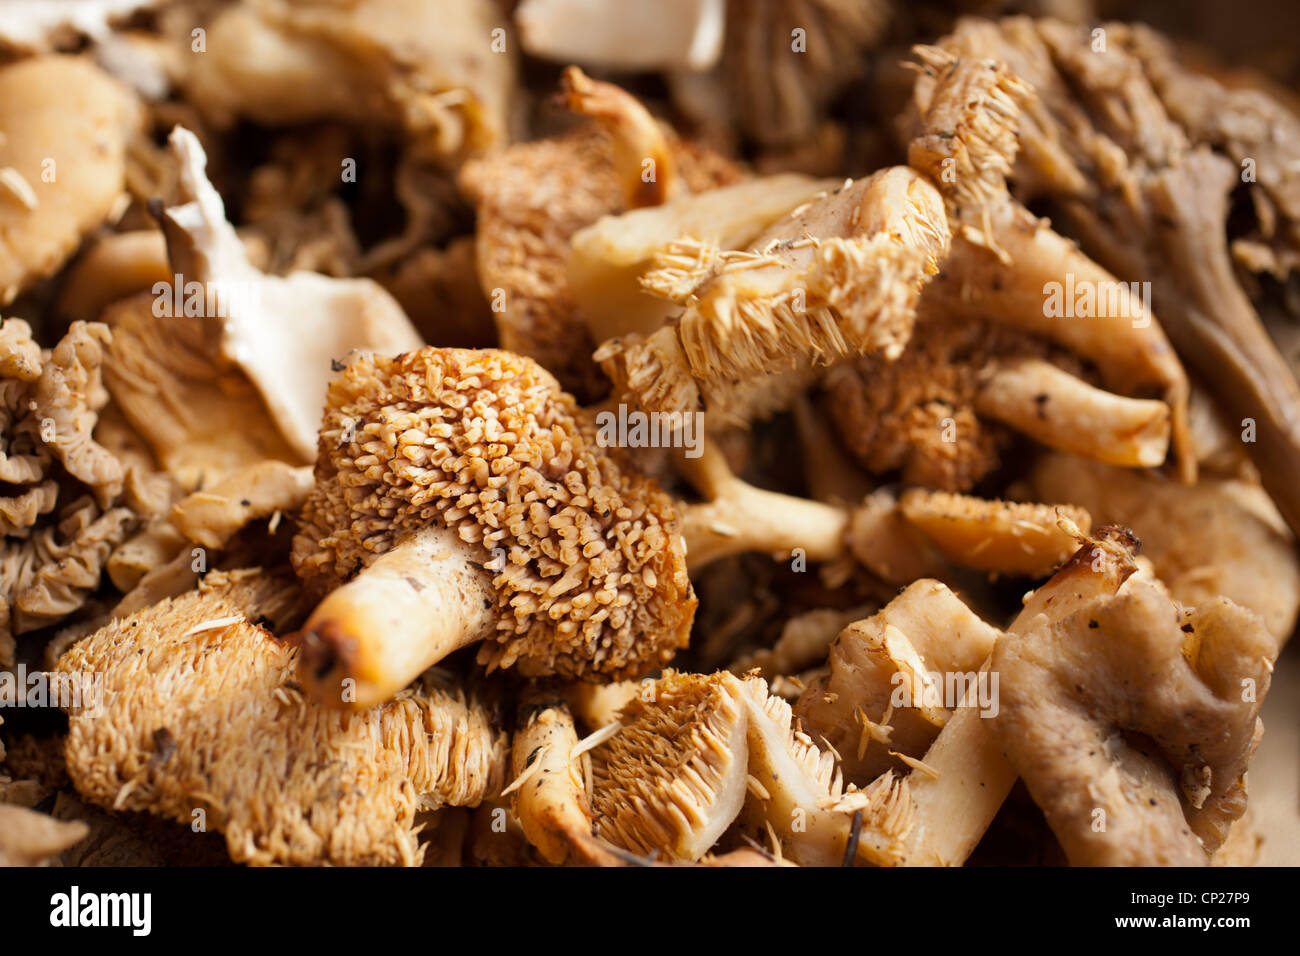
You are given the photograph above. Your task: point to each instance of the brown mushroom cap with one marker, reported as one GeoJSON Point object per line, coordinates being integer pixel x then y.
{"type": "Point", "coordinates": [190, 683]}
{"type": "Point", "coordinates": [594, 577]}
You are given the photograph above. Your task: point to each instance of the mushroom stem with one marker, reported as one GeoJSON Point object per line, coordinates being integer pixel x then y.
{"type": "Point", "coordinates": [642, 156]}
{"type": "Point", "coordinates": [739, 517]}
{"type": "Point", "coordinates": [1053, 407]}
{"type": "Point", "coordinates": [407, 610]}
{"type": "Point", "coordinates": [1215, 326]}
{"type": "Point", "coordinates": [955, 807]}
{"type": "Point", "coordinates": [1123, 339]}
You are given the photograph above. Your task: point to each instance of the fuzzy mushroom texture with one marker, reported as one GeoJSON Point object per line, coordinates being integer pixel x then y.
{"type": "Point", "coordinates": [1009, 267]}
{"type": "Point", "coordinates": [1220, 537]}
{"type": "Point", "coordinates": [1140, 713]}
{"type": "Point", "coordinates": [903, 655]}
{"type": "Point", "coordinates": [64, 129]}
{"type": "Point", "coordinates": [1141, 159]}
{"type": "Point", "coordinates": [837, 278]}
{"type": "Point", "coordinates": [66, 509]}
{"type": "Point", "coordinates": [531, 199]}
{"type": "Point", "coordinates": [34, 26]}
{"type": "Point", "coordinates": [427, 70]}
{"type": "Point", "coordinates": [797, 801]}
{"type": "Point", "coordinates": [461, 496]}
{"type": "Point", "coordinates": [190, 681]}
{"type": "Point", "coordinates": [673, 776]}
{"type": "Point", "coordinates": [944, 412]}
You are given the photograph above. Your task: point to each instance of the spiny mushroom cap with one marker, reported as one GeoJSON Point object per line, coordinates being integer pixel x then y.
{"type": "Point", "coordinates": [969, 139]}
{"type": "Point", "coordinates": [839, 276]}
{"type": "Point", "coordinates": [594, 579]}
{"type": "Point", "coordinates": [531, 199]}
{"type": "Point", "coordinates": [672, 779]}
{"type": "Point", "coordinates": [201, 711]}
{"type": "Point", "coordinates": [917, 412]}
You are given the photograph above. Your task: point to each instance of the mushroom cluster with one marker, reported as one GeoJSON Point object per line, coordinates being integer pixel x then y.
{"type": "Point", "coordinates": [706, 433]}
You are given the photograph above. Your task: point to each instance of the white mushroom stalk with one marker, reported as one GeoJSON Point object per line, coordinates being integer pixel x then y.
{"type": "Point", "coordinates": [968, 776]}
{"type": "Point", "coordinates": [1006, 264]}
{"type": "Point", "coordinates": [672, 35]}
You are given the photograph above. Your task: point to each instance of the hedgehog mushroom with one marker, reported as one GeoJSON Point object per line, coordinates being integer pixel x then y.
{"type": "Point", "coordinates": [1143, 160]}
{"type": "Point", "coordinates": [839, 277]}
{"type": "Point", "coordinates": [461, 496]}
{"type": "Point", "coordinates": [190, 681]}
{"type": "Point", "coordinates": [1131, 711]}
{"type": "Point", "coordinates": [672, 777]}
{"type": "Point", "coordinates": [532, 197]}
{"type": "Point", "coordinates": [1010, 268]}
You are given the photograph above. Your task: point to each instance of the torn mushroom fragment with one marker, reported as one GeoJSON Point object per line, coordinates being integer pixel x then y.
{"type": "Point", "coordinates": [797, 801]}
{"type": "Point", "coordinates": [64, 128]}
{"type": "Point", "coordinates": [967, 776]}
{"type": "Point", "coordinates": [608, 258]}
{"type": "Point", "coordinates": [894, 679]}
{"type": "Point", "coordinates": [286, 333]}
{"type": "Point", "coordinates": [1132, 721]}
{"type": "Point", "coordinates": [428, 70]}
{"type": "Point", "coordinates": [461, 496]}
{"type": "Point", "coordinates": [839, 277]}
{"type": "Point", "coordinates": [1219, 537]}
{"type": "Point", "coordinates": [673, 776]}
{"type": "Point", "coordinates": [1009, 267]}
{"type": "Point", "coordinates": [190, 681]}
{"type": "Point", "coordinates": [531, 198]}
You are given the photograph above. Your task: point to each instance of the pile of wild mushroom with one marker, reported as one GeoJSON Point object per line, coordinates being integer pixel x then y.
{"type": "Point", "coordinates": [762, 436]}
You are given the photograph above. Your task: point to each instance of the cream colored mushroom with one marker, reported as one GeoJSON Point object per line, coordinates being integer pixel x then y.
{"type": "Point", "coordinates": [64, 128]}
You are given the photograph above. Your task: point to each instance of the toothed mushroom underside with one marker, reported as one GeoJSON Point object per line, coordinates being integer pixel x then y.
{"type": "Point", "coordinates": [190, 682]}
{"type": "Point", "coordinates": [587, 570]}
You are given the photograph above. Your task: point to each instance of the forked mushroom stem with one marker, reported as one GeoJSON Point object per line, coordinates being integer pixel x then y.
{"type": "Point", "coordinates": [407, 610]}
{"type": "Point", "coordinates": [641, 153]}
{"type": "Point", "coordinates": [1053, 407]}
{"type": "Point", "coordinates": [971, 778]}
{"type": "Point", "coordinates": [737, 517]}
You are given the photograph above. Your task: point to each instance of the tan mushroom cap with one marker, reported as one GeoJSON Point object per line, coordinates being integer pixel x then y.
{"type": "Point", "coordinates": [590, 574]}
{"type": "Point", "coordinates": [1136, 664]}
{"type": "Point", "coordinates": [189, 682]}
{"type": "Point", "coordinates": [427, 70]}
{"type": "Point", "coordinates": [64, 128]}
